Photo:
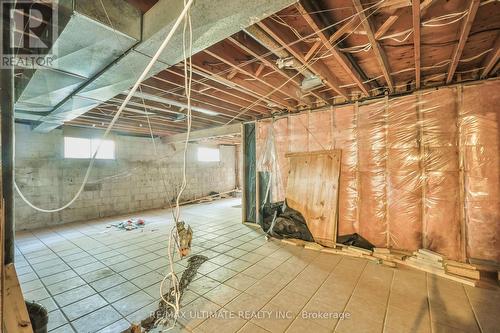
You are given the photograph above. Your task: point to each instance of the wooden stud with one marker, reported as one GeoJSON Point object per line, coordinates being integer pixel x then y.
{"type": "Point", "coordinates": [416, 40]}
{"type": "Point", "coordinates": [464, 35]}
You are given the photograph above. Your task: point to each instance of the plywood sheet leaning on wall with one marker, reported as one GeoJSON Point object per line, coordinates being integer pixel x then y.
{"type": "Point", "coordinates": [480, 124]}
{"type": "Point", "coordinates": [312, 190]}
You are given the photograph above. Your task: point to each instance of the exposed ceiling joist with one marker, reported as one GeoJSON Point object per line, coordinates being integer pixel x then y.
{"type": "Point", "coordinates": [492, 59]}
{"type": "Point", "coordinates": [464, 35]}
{"type": "Point", "coordinates": [393, 18]}
{"type": "Point", "coordinates": [203, 92]}
{"type": "Point", "coordinates": [339, 56]}
{"type": "Point", "coordinates": [377, 49]}
{"type": "Point", "coordinates": [343, 30]}
{"type": "Point", "coordinates": [318, 67]}
{"type": "Point", "coordinates": [250, 48]}
{"type": "Point", "coordinates": [226, 57]}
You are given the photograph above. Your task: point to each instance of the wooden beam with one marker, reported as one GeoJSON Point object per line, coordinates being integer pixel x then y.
{"type": "Point", "coordinates": [250, 48]}
{"type": "Point", "coordinates": [386, 26]}
{"type": "Point", "coordinates": [464, 35]}
{"type": "Point", "coordinates": [492, 58]}
{"type": "Point", "coordinates": [240, 85]}
{"type": "Point", "coordinates": [226, 57]}
{"type": "Point", "coordinates": [393, 18]}
{"type": "Point", "coordinates": [205, 133]}
{"type": "Point", "coordinates": [312, 50]}
{"type": "Point", "coordinates": [231, 74]}
{"type": "Point", "coordinates": [377, 49]}
{"type": "Point", "coordinates": [416, 40]}
{"type": "Point", "coordinates": [209, 83]}
{"type": "Point", "coordinates": [259, 69]}
{"type": "Point", "coordinates": [229, 101]}
{"type": "Point", "coordinates": [343, 30]}
{"type": "Point", "coordinates": [16, 318]}
{"type": "Point", "coordinates": [318, 67]}
{"type": "Point", "coordinates": [339, 56]}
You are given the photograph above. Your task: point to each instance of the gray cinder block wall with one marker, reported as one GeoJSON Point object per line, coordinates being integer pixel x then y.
{"type": "Point", "coordinates": [130, 183]}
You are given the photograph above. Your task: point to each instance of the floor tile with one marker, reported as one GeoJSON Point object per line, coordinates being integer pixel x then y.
{"type": "Point", "coordinates": [84, 306]}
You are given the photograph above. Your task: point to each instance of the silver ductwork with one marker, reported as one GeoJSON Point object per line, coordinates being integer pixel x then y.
{"type": "Point", "coordinates": [97, 62]}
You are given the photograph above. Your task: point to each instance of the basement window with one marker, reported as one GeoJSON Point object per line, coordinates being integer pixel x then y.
{"type": "Point", "coordinates": [85, 148]}
{"type": "Point", "coordinates": [208, 154]}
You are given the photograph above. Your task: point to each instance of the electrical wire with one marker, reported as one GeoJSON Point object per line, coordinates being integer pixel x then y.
{"type": "Point", "coordinates": [273, 51]}
{"type": "Point", "coordinates": [313, 60]}
{"type": "Point", "coordinates": [115, 118]}
{"type": "Point", "coordinates": [174, 234]}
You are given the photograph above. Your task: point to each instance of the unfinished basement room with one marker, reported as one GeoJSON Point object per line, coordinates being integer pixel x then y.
{"type": "Point", "coordinates": [250, 166]}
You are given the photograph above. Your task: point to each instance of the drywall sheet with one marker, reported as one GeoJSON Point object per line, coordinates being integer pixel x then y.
{"type": "Point", "coordinates": [312, 189]}
{"type": "Point", "coordinates": [419, 171]}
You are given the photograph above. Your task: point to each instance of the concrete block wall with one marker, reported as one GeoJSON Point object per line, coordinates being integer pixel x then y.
{"type": "Point", "coordinates": [136, 180]}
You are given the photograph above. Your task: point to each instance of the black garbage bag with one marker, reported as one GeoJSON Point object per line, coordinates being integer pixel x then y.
{"type": "Point", "coordinates": [39, 317]}
{"type": "Point", "coordinates": [355, 240]}
{"type": "Point", "coordinates": [281, 221]}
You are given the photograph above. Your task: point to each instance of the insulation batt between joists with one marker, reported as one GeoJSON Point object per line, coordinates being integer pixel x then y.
{"type": "Point", "coordinates": [419, 171]}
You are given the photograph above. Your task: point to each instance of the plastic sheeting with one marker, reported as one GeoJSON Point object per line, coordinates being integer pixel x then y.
{"type": "Point", "coordinates": [419, 171]}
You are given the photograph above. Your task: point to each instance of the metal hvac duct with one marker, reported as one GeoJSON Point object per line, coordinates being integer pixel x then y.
{"type": "Point", "coordinates": [97, 63]}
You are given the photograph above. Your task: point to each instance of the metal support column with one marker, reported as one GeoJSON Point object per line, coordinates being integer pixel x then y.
{"type": "Point", "coordinates": [7, 135]}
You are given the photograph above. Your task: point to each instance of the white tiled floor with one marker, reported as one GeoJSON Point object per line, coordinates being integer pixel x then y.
{"type": "Point", "coordinates": [98, 279]}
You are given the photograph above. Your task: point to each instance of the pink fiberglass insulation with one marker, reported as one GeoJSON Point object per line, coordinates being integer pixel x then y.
{"type": "Point", "coordinates": [345, 138]}
{"type": "Point", "coordinates": [480, 125]}
{"type": "Point", "coordinates": [401, 182]}
{"type": "Point", "coordinates": [372, 121]}
{"type": "Point", "coordinates": [403, 174]}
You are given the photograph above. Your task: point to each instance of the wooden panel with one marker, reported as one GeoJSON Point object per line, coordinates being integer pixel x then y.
{"type": "Point", "coordinates": [16, 315]}
{"type": "Point", "coordinates": [312, 190]}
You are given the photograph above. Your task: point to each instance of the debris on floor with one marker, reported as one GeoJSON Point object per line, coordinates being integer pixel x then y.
{"type": "Point", "coordinates": [281, 221]}
{"type": "Point", "coordinates": [355, 240]}
{"type": "Point", "coordinates": [165, 311]}
{"type": "Point", "coordinates": [129, 224]}
{"type": "Point", "coordinates": [185, 238]}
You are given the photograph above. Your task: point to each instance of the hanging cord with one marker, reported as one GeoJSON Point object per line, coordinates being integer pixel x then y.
{"type": "Point", "coordinates": [131, 92]}
{"type": "Point", "coordinates": [174, 232]}
{"type": "Point", "coordinates": [141, 78]}
{"type": "Point", "coordinates": [115, 118]}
